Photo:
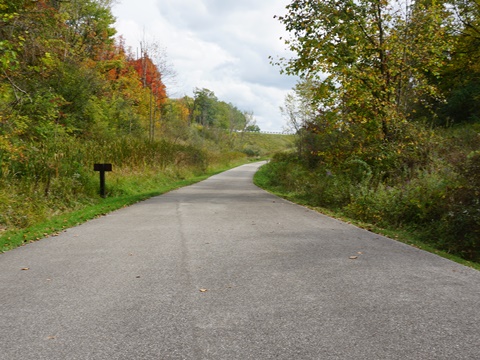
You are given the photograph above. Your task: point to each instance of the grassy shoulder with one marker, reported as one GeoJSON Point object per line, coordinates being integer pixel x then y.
{"type": "Point", "coordinates": [133, 192]}
{"type": "Point", "coordinates": [259, 144]}
{"type": "Point", "coordinates": [56, 188]}
{"type": "Point", "coordinates": [408, 237]}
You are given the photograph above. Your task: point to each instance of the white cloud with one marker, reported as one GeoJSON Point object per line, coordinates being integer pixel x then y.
{"type": "Point", "coordinates": [216, 44]}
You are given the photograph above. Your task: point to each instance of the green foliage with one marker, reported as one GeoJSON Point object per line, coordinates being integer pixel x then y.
{"type": "Point", "coordinates": [368, 62]}
{"type": "Point", "coordinates": [375, 77]}
{"type": "Point", "coordinates": [253, 128]}
{"type": "Point", "coordinates": [460, 80]}
{"type": "Point", "coordinates": [57, 175]}
{"type": "Point", "coordinates": [208, 111]}
{"type": "Point", "coordinates": [460, 226]}
{"type": "Point", "coordinates": [204, 107]}
{"type": "Point", "coordinates": [263, 145]}
{"type": "Point", "coordinates": [71, 97]}
{"type": "Point", "coordinates": [439, 203]}
{"type": "Point", "coordinates": [135, 187]}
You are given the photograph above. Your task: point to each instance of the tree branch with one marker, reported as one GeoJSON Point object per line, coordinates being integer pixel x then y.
{"type": "Point", "coordinates": [16, 88]}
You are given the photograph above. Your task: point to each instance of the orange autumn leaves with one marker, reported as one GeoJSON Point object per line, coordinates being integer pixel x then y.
{"type": "Point", "coordinates": [151, 78]}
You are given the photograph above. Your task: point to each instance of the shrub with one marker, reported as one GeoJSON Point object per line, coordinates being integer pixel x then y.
{"type": "Point", "coordinates": [458, 230]}
{"type": "Point", "coordinates": [440, 203]}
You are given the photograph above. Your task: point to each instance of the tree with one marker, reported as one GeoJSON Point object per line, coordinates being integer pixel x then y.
{"type": "Point", "coordinates": [250, 121]}
{"type": "Point", "coordinates": [364, 64]}
{"type": "Point", "coordinates": [460, 80]}
{"type": "Point", "coordinates": [48, 54]}
{"type": "Point", "coordinates": [175, 124]}
{"type": "Point", "coordinates": [228, 117]}
{"type": "Point", "coordinates": [369, 56]}
{"type": "Point", "coordinates": [237, 119]}
{"type": "Point", "coordinates": [89, 26]}
{"type": "Point", "coordinates": [204, 107]}
{"type": "Point", "coordinates": [252, 128]}
{"type": "Point", "coordinates": [299, 112]}
{"type": "Point", "coordinates": [151, 78]}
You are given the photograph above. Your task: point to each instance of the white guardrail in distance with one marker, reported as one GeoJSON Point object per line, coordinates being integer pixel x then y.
{"type": "Point", "coordinates": [267, 132]}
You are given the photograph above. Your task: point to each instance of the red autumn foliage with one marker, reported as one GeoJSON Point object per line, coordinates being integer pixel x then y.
{"type": "Point", "coordinates": [151, 77]}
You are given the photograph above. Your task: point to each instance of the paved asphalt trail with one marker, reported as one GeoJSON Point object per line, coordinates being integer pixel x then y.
{"type": "Point", "coordinates": [279, 283]}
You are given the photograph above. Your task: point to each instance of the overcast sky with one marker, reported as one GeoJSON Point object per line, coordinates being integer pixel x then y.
{"type": "Point", "coordinates": [221, 45]}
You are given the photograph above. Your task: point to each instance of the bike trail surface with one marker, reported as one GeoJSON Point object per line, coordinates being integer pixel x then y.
{"type": "Point", "coordinates": [224, 270]}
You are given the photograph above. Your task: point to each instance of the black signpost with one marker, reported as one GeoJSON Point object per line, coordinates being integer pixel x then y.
{"type": "Point", "coordinates": [102, 168]}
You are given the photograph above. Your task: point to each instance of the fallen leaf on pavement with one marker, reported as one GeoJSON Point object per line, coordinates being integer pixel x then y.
{"type": "Point", "coordinates": [353, 257]}
{"type": "Point", "coordinates": [25, 268]}
{"type": "Point", "coordinates": [203, 290]}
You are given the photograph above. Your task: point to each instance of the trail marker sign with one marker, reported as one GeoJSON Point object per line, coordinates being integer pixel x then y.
{"type": "Point", "coordinates": [102, 168]}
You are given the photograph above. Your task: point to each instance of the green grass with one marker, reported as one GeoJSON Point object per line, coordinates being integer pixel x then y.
{"type": "Point", "coordinates": [404, 236]}
{"type": "Point", "coordinates": [50, 197]}
{"type": "Point", "coordinates": [53, 226]}
{"type": "Point", "coordinates": [264, 145]}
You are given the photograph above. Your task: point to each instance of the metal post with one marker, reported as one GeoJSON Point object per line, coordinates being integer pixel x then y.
{"type": "Point", "coordinates": [102, 184]}
{"type": "Point", "coordinates": [102, 168]}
